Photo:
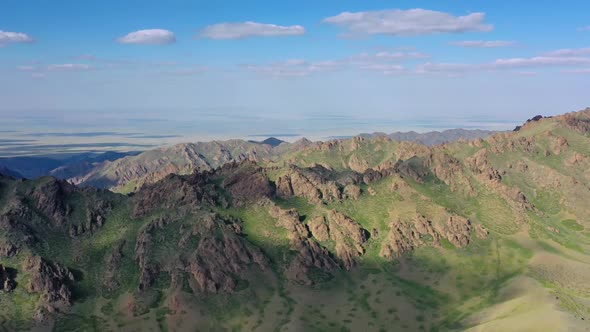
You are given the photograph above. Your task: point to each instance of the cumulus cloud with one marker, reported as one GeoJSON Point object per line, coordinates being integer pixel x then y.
{"type": "Point", "coordinates": [384, 62]}
{"type": "Point", "coordinates": [413, 22]}
{"type": "Point", "coordinates": [25, 68]}
{"type": "Point", "coordinates": [539, 61]}
{"type": "Point", "coordinates": [569, 52]}
{"type": "Point", "coordinates": [578, 71]}
{"type": "Point", "coordinates": [386, 69]}
{"type": "Point", "coordinates": [7, 37]}
{"type": "Point", "coordinates": [249, 29]}
{"type": "Point", "coordinates": [149, 37]}
{"type": "Point", "coordinates": [294, 68]}
{"type": "Point", "coordinates": [388, 57]}
{"type": "Point", "coordinates": [69, 67]}
{"type": "Point", "coordinates": [483, 43]}
{"type": "Point", "coordinates": [504, 64]}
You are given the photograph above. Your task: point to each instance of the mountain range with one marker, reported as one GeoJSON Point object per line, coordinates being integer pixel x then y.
{"type": "Point", "coordinates": [127, 172]}
{"type": "Point", "coordinates": [367, 233]}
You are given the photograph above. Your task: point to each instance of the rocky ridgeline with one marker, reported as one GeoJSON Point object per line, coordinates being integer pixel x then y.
{"type": "Point", "coordinates": [186, 229]}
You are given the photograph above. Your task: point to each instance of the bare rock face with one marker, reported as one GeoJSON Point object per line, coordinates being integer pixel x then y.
{"type": "Point", "coordinates": [349, 237]}
{"type": "Point", "coordinates": [247, 187]}
{"type": "Point", "coordinates": [481, 232]}
{"type": "Point", "coordinates": [8, 248]}
{"type": "Point", "coordinates": [357, 164]}
{"type": "Point", "coordinates": [310, 183]}
{"type": "Point", "coordinates": [319, 228]}
{"type": "Point", "coordinates": [112, 264]}
{"type": "Point", "coordinates": [96, 215]}
{"type": "Point", "coordinates": [352, 191]}
{"type": "Point", "coordinates": [403, 237]}
{"type": "Point", "coordinates": [284, 187]}
{"type": "Point", "coordinates": [175, 192]}
{"type": "Point", "coordinates": [458, 231]}
{"type": "Point", "coordinates": [219, 259]}
{"type": "Point", "coordinates": [310, 254]}
{"type": "Point", "coordinates": [50, 199]}
{"type": "Point", "coordinates": [414, 168]}
{"type": "Point", "coordinates": [480, 165]}
{"type": "Point", "coordinates": [148, 270]}
{"type": "Point", "coordinates": [7, 283]}
{"type": "Point", "coordinates": [297, 185]}
{"type": "Point", "coordinates": [51, 281]}
{"type": "Point", "coordinates": [579, 121]}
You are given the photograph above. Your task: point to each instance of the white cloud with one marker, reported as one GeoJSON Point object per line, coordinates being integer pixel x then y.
{"type": "Point", "coordinates": [7, 37]}
{"type": "Point", "coordinates": [151, 36]}
{"type": "Point", "coordinates": [569, 52]}
{"type": "Point", "coordinates": [384, 62]}
{"type": "Point", "coordinates": [387, 57]}
{"type": "Point", "coordinates": [540, 61]}
{"type": "Point", "coordinates": [88, 57]}
{"type": "Point", "coordinates": [483, 43]}
{"type": "Point", "coordinates": [503, 64]}
{"type": "Point", "coordinates": [188, 71]}
{"type": "Point", "coordinates": [294, 68]}
{"type": "Point", "coordinates": [25, 68]}
{"type": "Point", "coordinates": [69, 67]}
{"type": "Point", "coordinates": [386, 69]}
{"type": "Point", "coordinates": [578, 71]}
{"type": "Point", "coordinates": [249, 29]}
{"type": "Point", "coordinates": [526, 73]}
{"type": "Point", "coordinates": [413, 22]}
{"type": "Point", "coordinates": [429, 68]}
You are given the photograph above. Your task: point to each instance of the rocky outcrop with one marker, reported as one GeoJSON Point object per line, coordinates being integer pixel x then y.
{"type": "Point", "coordinates": [414, 168]}
{"type": "Point", "coordinates": [310, 255]}
{"type": "Point", "coordinates": [218, 260]}
{"type": "Point", "coordinates": [579, 121]}
{"type": "Point", "coordinates": [405, 236]}
{"type": "Point", "coordinates": [458, 231]}
{"type": "Point", "coordinates": [111, 280]}
{"type": "Point", "coordinates": [319, 228]}
{"type": "Point", "coordinates": [148, 269]}
{"type": "Point", "coordinates": [51, 281]}
{"type": "Point", "coordinates": [310, 183]}
{"type": "Point", "coordinates": [7, 283]}
{"type": "Point", "coordinates": [50, 199]}
{"type": "Point", "coordinates": [176, 192]}
{"type": "Point", "coordinates": [247, 186]}
{"type": "Point", "coordinates": [284, 187]}
{"type": "Point", "coordinates": [352, 191]}
{"type": "Point", "coordinates": [349, 237]}
{"type": "Point", "coordinates": [97, 210]}
{"type": "Point", "coordinates": [8, 248]}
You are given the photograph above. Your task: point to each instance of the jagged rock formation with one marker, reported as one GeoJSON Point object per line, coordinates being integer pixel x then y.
{"type": "Point", "coordinates": [310, 254]}
{"type": "Point", "coordinates": [246, 185]}
{"type": "Point", "coordinates": [405, 236]}
{"type": "Point", "coordinates": [288, 226]}
{"type": "Point", "coordinates": [7, 283]}
{"type": "Point", "coordinates": [349, 237]}
{"type": "Point", "coordinates": [51, 281]}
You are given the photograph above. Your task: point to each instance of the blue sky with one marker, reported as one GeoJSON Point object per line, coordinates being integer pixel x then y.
{"type": "Point", "coordinates": [79, 62]}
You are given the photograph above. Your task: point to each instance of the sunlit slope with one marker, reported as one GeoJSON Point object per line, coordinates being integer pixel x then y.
{"type": "Point", "coordinates": [370, 234]}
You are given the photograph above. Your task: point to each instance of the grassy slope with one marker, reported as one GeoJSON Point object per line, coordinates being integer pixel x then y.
{"type": "Point", "coordinates": [521, 274]}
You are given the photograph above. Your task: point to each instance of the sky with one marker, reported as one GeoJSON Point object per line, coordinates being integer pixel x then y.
{"type": "Point", "coordinates": [220, 69]}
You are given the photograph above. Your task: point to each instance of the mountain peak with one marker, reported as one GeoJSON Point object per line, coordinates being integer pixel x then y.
{"type": "Point", "coordinates": [273, 141]}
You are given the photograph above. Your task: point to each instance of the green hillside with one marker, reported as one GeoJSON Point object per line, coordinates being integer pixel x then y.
{"type": "Point", "coordinates": [360, 234]}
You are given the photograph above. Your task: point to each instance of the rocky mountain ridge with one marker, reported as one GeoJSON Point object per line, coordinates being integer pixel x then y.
{"type": "Point", "coordinates": [365, 219]}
